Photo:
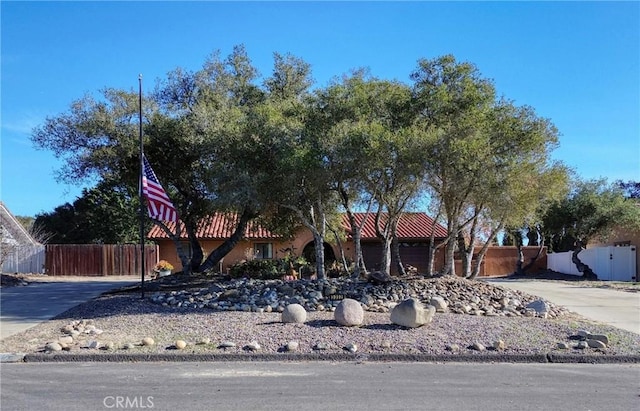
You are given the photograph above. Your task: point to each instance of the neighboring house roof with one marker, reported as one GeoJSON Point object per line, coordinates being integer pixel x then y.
{"type": "Point", "coordinates": [220, 226]}
{"type": "Point", "coordinates": [11, 230]}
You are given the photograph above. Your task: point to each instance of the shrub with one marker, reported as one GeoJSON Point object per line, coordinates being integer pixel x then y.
{"type": "Point", "coordinates": [258, 269]}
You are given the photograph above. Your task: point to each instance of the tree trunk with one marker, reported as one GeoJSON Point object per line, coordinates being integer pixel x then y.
{"type": "Point", "coordinates": [359, 263]}
{"type": "Point", "coordinates": [175, 237]}
{"type": "Point", "coordinates": [318, 241]}
{"type": "Point", "coordinates": [520, 260]}
{"type": "Point", "coordinates": [587, 272]}
{"type": "Point", "coordinates": [483, 251]}
{"type": "Point", "coordinates": [343, 259]}
{"type": "Point", "coordinates": [533, 260]}
{"type": "Point", "coordinates": [218, 254]}
{"type": "Point", "coordinates": [395, 247]}
{"type": "Point", "coordinates": [466, 254]}
{"type": "Point", "coordinates": [449, 258]}
{"type": "Point", "coordinates": [197, 255]}
{"type": "Point", "coordinates": [385, 260]}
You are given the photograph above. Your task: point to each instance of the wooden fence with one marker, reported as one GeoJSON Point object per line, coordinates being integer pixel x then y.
{"type": "Point", "coordinates": [98, 259]}
{"type": "Point", "coordinates": [501, 260]}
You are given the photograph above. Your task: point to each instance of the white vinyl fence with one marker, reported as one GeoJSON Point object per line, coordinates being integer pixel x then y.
{"type": "Point", "coordinates": [25, 259]}
{"type": "Point", "coordinates": [609, 263]}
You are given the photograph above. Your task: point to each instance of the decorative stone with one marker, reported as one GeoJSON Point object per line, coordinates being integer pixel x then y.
{"type": "Point", "coordinates": [91, 344]}
{"type": "Point", "coordinates": [582, 345]}
{"type": "Point", "coordinates": [349, 313]}
{"type": "Point", "coordinates": [226, 344]}
{"type": "Point", "coordinates": [351, 347]}
{"type": "Point", "coordinates": [109, 345]}
{"type": "Point", "coordinates": [53, 347]}
{"type": "Point", "coordinates": [66, 340]}
{"type": "Point", "coordinates": [453, 347]}
{"type": "Point", "coordinates": [294, 313]}
{"type": "Point", "coordinates": [253, 346]}
{"type": "Point", "coordinates": [439, 303]}
{"type": "Point", "coordinates": [539, 306]}
{"type": "Point", "coordinates": [386, 344]}
{"type": "Point", "coordinates": [599, 337]}
{"type": "Point", "coordinates": [148, 341]}
{"type": "Point", "coordinates": [180, 344]}
{"type": "Point", "coordinates": [411, 313]}
{"type": "Point", "coordinates": [204, 341]}
{"type": "Point", "coordinates": [128, 346]}
{"type": "Point", "coordinates": [562, 346]}
{"type": "Point", "coordinates": [321, 346]}
{"type": "Point", "coordinates": [583, 333]}
{"type": "Point", "coordinates": [596, 344]}
{"type": "Point", "coordinates": [498, 345]}
{"type": "Point", "coordinates": [292, 346]}
{"type": "Point", "coordinates": [478, 346]}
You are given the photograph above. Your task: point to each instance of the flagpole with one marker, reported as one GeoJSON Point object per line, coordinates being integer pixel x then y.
{"type": "Point", "coordinates": [142, 262]}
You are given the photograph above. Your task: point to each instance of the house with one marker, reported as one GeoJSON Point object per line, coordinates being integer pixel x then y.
{"type": "Point", "coordinates": [414, 231]}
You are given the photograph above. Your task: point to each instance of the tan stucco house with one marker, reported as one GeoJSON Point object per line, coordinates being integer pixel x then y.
{"type": "Point", "coordinates": [414, 231]}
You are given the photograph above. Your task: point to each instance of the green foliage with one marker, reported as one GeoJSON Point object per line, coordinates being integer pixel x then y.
{"type": "Point", "coordinates": [257, 269]}
{"type": "Point", "coordinates": [105, 214]}
{"type": "Point", "coordinates": [591, 211]}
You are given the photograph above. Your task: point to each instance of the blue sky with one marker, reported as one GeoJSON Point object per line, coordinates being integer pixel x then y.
{"type": "Point", "coordinates": [576, 63]}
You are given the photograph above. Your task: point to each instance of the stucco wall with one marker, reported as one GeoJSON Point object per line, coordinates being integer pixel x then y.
{"type": "Point", "coordinates": [167, 250]}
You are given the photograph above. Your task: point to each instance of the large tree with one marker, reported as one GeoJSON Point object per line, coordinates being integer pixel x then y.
{"type": "Point", "coordinates": [452, 101]}
{"type": "Point", "coordinates": [201, 134]}
{"type": "Point", "coordinates": [364, 127]}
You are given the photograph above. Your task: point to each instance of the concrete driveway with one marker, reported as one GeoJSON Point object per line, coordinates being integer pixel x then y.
{"type": "Point", "coordinates": [23, 307]}
{"type": "Point", "coordinates": [615, 307]}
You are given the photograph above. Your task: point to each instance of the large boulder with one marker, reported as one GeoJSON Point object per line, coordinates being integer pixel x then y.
{"type": "Point", "coordinates": [412, 313]}
{"type": "Point", "coordinates": [349, 312]}
{"type": "Point", "coordinates": [294, 313]}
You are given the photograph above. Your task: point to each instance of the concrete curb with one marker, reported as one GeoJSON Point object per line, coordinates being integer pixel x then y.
{"type": "Point", "coordinates": [334, 357]}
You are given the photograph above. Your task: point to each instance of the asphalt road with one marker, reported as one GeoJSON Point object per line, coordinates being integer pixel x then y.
{"type": "Point", "coordinates": [319, 386]}
{"type": "Point", "coordinates": [23, 307]}
{"type": "Point", "coordinates": [615, 307]}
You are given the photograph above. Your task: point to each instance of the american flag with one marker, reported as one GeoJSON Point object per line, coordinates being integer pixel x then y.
{"type": "Point", "coordinates": [158, 203]}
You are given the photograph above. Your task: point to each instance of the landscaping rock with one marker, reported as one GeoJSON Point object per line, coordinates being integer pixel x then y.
{"type": "Point", "coordinates": [439, 303]}
{"type": "Point", "coordinates": [539, 306]}
{"type": "Point", "coordinates": [349, 313]}
{"type": "Point", "coordinates": [148, 341]}
{"type": "Point", "coordinates": [53, 347]}
{"type": "Point", "coordinates": [180, 344]}
{"type": "Point", "coordinates": [294, 313]}
{"type": "Point", "coordinates": [252, 346]}
{"type": "Point", "coordinates": [411, 313]}
{"type": "Point", "coordinates": [292, 346]}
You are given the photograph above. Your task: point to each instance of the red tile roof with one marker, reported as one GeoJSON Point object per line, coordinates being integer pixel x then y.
{"type": "Point", "coordinates": [220, 226]}
{"type": "Point", "coordinates": [411, 226]}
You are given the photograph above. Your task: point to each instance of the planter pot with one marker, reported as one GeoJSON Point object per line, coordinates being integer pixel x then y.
{"type": "Point", "coordinates": [164, 273]}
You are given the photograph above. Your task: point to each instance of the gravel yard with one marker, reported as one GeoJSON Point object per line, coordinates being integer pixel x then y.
{"type": "Point", "coordinates": [117, 323]}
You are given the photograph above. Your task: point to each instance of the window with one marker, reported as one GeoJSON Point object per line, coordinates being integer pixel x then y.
{"type": "Point", "coordinates": [263, 251]}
